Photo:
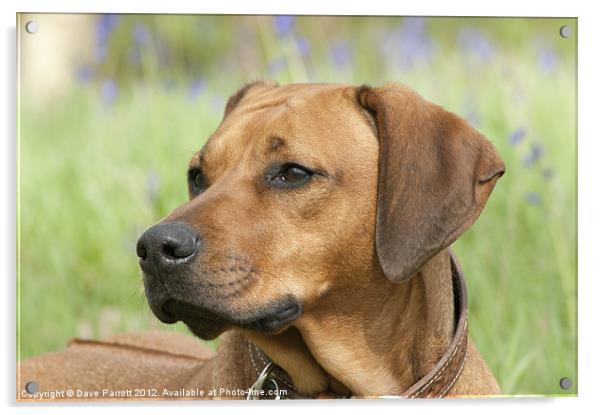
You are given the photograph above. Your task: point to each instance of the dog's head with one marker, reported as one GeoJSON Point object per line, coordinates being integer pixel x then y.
{"type": "Point", "coordinates": [301, 189]}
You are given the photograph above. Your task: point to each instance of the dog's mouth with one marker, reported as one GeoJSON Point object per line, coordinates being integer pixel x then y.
{"type": "Point", "coordinates": [208, 323]}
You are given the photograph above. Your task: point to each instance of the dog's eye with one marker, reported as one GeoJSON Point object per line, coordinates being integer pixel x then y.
{"type": "Point", "coordinates": [196, 181]}
{"type": "Point", "coordinates": [290, 175]}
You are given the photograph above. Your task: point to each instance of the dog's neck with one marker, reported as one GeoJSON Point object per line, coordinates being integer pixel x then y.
{"type": "Point", "coordinates": [374, 341]}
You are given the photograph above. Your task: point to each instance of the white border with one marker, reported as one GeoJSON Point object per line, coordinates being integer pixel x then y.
{"type": "Point", "coordinates": [589, 183]}
{"type": "Point", "coordinates": [340, 7]}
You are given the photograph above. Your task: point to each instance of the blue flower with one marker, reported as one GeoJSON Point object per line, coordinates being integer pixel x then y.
{"type": "Point", "coordinates": [218, 103]}
{"type": "Point", "coordinates": [474, 42]}
{"type": "Point", "coordinates": [303, 46]}
{"type": "Point", "coordinates": [470, 113]}
{"type": "Point", "coordinates": [473, 117]}
{"type": "Point", "coordinates": [533, 198]}
{"type": "Point", "coordinates": [533, 156]}
{"type": "Point", "coordinates": [141, 34]}
{"type": "Point", "coordinates": [84, 74]}
{"type": "Point", "coordinates": [517, 136]}
{"type": "Point", "coordinates": [276, 66]}
{"type": "Point", "coordinates": [409, 43]}
{"type": "Point", "coordinates": [547, 59]}
{"type": "Point", "coordinates": [109, 91]}
{"type": "Point", "coordinates": [284, 25]}
{"type": "Point", "coordinates": [548, 173]}
{"type": "Point", "coordinates": [195, 89]}
{"type": "Point", "coordinates": [341, 53]}
{"type": "Point", "coordinates": [105, 25]}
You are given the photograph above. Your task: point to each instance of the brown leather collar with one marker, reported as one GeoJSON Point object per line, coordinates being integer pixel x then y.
{"type": "Point", "coordinates": [274, 383]}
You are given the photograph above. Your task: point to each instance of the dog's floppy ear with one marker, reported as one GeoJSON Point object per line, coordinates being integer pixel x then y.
{"type": "Point", "coordinates": [435, 175]}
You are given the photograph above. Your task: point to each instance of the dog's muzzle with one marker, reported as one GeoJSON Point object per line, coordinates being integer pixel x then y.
{"type": "Point", "coordinates": [165, 247]}
{"type": "Point", "coordinates": [177, 290]}
{"type": "Point", "coordinates": [165, 252]}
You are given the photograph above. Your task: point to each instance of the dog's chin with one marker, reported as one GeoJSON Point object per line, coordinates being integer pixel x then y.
{"type": "Point", "coordinates": [209, 322]}
{"type": "Point", "coordinates": [205, 331]}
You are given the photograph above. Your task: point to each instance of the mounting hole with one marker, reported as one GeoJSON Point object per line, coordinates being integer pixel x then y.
{"type": "Point", "coordinates": [565, 31]}
{"type": "Point", "coordinates": [566, 383]}
{"type": "Point", "coordinates": [31, 387]}
{"type": "Point", "coordinates": [31, 27]}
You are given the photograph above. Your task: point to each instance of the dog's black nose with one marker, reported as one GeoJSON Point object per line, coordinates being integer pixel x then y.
{"type": "Point", "coordinates": [166, 246]}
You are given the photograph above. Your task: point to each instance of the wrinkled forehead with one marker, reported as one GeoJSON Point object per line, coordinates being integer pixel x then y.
{"type": "Point", "coordinates": [293, 116]}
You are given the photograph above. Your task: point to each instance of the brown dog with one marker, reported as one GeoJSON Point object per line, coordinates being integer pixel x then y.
{"type": "Point", "coordinates": [315, 238]}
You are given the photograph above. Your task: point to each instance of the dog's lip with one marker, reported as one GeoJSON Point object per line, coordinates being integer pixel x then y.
{"type": "Point", "coordinates": [277, 319]}
{"type": "Point", "coordinates": [205, 322]}
{"type": "Point", "coordinates": [185, 311]}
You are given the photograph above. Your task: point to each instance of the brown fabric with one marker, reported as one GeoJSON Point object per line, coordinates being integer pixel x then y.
{"type": "Point", "coordinates": [126, 362]}
{"type": "Point", "coordinates": [436, 384]}
{"type": "Point", "coordinates": [157, 342]}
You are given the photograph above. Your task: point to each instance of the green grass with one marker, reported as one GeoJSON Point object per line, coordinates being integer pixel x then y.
{"type": "Point", "coordinates": [93, 177]}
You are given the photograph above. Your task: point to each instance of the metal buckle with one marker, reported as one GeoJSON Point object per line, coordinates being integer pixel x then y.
{"type": "Point", "coordinates": [254, 390]}
{"type": "Point", "coordinates": [276, 389]}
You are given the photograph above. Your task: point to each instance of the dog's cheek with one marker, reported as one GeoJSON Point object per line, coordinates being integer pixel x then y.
{"type": "Point", "coordinates": [303, 205]}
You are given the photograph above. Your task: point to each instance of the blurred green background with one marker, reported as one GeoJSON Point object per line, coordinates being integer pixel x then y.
{"type": "Point", "coordinates": [112, 107]}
